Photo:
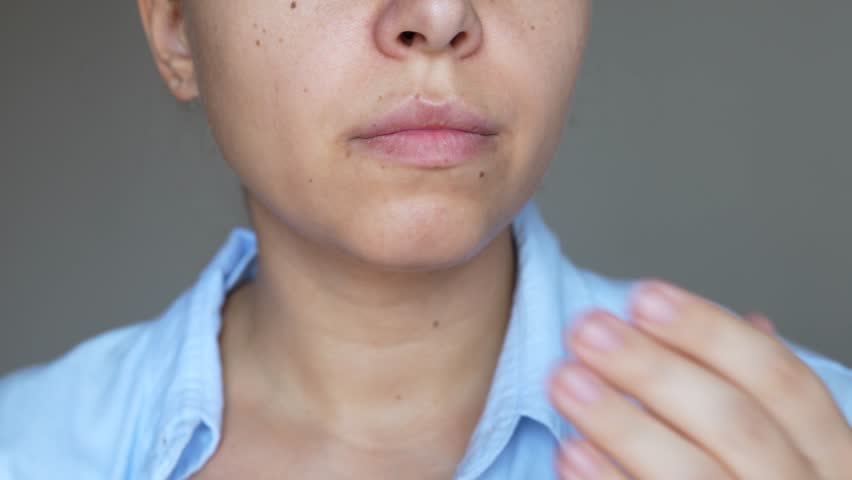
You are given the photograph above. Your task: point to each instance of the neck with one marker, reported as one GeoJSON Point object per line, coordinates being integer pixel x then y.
{"type": "Point", "coordinates": [331, 338]}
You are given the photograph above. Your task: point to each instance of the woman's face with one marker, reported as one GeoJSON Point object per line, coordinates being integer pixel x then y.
{"type": "Point", "coordinates": [287, 85]}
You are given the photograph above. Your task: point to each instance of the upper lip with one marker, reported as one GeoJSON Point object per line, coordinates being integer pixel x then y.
{"type": "Point", "coordinates": [416, 114]}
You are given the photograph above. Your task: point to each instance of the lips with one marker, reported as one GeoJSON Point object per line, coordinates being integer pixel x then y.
{"type": "Point", "coordinates": [428, 135]}
{"type": "Point", "coordinates": [419, 115]}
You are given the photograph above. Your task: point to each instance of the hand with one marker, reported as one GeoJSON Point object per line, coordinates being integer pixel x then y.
{"type": "Point", "coordinates": [720, 398]}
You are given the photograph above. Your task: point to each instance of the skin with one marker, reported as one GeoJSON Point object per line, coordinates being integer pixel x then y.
{"type": "Point", "coordinates": [367, 343]}
{"type": "Point", "coordinates": [373, 329]}
{"type": "Point", "coordinates": [723, 399]}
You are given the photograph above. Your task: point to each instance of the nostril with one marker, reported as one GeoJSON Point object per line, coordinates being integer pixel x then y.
{"type": "Point", "coordinates": [458, 39]}
{"type": "Point", "coordinates": [407, 37]}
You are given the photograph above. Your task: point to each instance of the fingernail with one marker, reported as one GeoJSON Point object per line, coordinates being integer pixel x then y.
{"type": "Point", "coordinates": [581, 461]}
{"type": "Point", "coordinates": [654, 305]}
{"type": "Point", "coordinates": [595, 333]}
{"type": "Point", "coordinates": [580, 386]}
{"type": "Point", "coordinates": [762, 323]}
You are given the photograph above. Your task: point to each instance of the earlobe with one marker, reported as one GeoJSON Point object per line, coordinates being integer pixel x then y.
{"type": "Point", "coordinates": [165, 30]}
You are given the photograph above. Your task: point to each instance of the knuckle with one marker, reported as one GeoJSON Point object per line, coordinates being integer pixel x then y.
{"type": "Point", "coordinates": [652, 374]}
{"type": "Point", "coordinates": [744, 425]}
{"type": "Point", "coordinates": [712, 337]}
{"type": "Point", "coordinates": [785, 373]}
{"type": "Point", "coordinates": [646, 364]}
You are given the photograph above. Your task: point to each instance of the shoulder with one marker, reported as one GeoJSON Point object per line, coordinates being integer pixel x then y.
{"type": "Point", "coordinates": [613, 294]}
{"type": "Point", "coordinates": [121, 402]}
{"type": "Point", "coordinates": [81, 411]}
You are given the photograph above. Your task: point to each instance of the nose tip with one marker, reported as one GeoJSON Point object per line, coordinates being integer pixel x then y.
{"type": "Point", "coordinates": [407, 27]}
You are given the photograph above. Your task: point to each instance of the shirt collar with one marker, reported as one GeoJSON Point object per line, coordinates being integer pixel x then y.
{"type": "Point", "coordinates": [548, 290]}
{"type": "Point", "coordinates": [190, 397]}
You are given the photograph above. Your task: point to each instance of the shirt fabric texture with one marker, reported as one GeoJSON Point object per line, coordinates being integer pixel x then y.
{"type": "Point", "coordinates": [145, 401]}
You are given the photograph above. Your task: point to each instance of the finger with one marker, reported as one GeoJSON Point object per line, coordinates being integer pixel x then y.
{"type": "Point", "coordinates": [646, 447]}
{"type": "Point", "coordinates": [760, 322]}
{"type": "Point", "coordinates": [578, 459]}
{"type": "Point", "coordinates": [757, 363]}
{"type": "Point", "coordinates": [673, 387]}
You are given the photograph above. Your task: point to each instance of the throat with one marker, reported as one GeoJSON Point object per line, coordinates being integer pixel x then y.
{"type": "Point", "coordinates": [368, 374]}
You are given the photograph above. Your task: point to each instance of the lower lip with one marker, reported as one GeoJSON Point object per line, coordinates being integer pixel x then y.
{"type": "Point", "coordinates": [442, 148]}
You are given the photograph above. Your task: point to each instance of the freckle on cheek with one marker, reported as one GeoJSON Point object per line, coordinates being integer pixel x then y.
{"type": "Point", "coordinates": [257, 42]}
{"type": "Point", "coordinates": [482, 174]}
{"type": "Point", "coordinates": [292, 5]}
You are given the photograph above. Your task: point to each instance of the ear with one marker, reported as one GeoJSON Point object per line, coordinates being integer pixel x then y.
{"type": "Point", "coordinates": [165, 29]}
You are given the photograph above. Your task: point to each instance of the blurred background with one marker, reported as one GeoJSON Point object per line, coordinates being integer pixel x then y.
{"type": "Point", "coordinates": [709, 144]}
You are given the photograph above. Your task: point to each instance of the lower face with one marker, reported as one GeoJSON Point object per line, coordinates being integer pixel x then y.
{"type": "Point", "coordinates": [285, 85]}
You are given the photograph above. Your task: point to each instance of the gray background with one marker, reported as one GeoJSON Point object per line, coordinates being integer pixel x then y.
{"type": "Point", "coordinates": [709, 144]}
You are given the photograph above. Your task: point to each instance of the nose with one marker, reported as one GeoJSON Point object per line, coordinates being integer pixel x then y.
{"type": "Point", "coordinates": [431, 27]}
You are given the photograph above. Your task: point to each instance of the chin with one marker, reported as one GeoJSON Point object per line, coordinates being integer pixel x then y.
{"type": "Point", "coordinates": [420, 235]}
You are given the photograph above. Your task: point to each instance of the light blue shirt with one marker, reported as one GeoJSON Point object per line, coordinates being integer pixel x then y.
{"type": "Point", "coordinates": [145, 401]}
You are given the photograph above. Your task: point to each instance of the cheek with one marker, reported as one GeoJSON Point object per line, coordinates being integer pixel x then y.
{"type": "Point", "coordinates": [540, 60]}
{"type": "Point", "coordinates": [543, 63]}
{"type": "Point", "coordinates": [256, 81]}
